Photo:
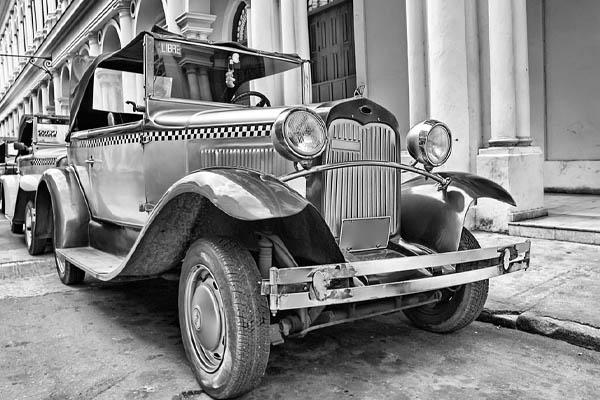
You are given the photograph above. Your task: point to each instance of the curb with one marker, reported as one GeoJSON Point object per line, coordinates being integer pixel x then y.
{"type": "Point", "coordinates": [27, 269]}
{"type": "Point", "coordinates": [571, 332]}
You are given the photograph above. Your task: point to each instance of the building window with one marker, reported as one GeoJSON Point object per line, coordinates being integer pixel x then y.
{"type": "Point", "coordinates": [240, 25]}
{"type": "Point", "coordinates": [312, 4]}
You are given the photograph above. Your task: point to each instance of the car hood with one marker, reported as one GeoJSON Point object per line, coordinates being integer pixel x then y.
{"type": "Point", "coordinates": [183, 118]}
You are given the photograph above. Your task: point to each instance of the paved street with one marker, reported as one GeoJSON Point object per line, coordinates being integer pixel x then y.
{"type": "Point", "coordinates": [121, 340]}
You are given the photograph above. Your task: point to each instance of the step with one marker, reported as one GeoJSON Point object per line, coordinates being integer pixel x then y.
{"type": "Point", "coordinates": [568, 228]}
{"type": "Point", "coordinates": [93, 261]}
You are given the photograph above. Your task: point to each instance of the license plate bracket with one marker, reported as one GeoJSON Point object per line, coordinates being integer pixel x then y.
{"type": "Point", "coordinates": [359, 234]}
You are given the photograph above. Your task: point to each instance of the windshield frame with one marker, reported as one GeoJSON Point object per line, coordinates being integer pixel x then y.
{"type": "Point", "coordinates": [149, 51]}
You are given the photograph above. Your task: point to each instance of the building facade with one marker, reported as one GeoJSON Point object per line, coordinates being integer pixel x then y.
{"type": "Point", "coordinates": [514, 79]}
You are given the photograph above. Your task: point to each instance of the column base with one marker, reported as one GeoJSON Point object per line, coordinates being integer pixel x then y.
{"type": "Point", "coordinates": [519, 170]}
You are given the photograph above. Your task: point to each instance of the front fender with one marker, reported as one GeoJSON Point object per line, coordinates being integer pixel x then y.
{"type": "Point", "coordinates": [241, 198]}
{"type": "Point", "coordinates": [242, 194]}
{"type": "Point", "coordinates": [60, 188]}
{"type": "Point", "coordinates": [435, 218]}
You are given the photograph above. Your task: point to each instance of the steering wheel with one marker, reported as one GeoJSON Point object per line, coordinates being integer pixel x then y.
{"type": "Point", "coordinates": [264, 101]}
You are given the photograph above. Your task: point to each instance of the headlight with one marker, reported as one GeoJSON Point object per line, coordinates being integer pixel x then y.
{"type": "Point", "coordinates": [430, 143]}
{"type": "Point", "coordinates": [299, 134]}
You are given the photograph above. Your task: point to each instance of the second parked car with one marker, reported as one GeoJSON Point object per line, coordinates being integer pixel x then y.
{"type": "Point", "coordinates": [40, 145]}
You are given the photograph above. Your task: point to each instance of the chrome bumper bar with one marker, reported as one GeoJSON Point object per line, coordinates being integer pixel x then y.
{"type": "Point", "coordinates": [293, 288]}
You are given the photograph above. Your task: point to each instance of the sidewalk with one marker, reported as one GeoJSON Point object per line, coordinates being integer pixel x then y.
{"type": "Point", "coordinates": [15, 261]}
{"type": "Point", "coordinates": [558, 296]}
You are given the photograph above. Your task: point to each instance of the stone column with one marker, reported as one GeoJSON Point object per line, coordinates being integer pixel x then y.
{"type": "Point", "coordinates": [264, 28]}
{"type": "Point", "coordinates": [417, 84]}
{"type": "Point", "coordinates": [125, 23]}
{"type": "Point", "coordinates": [292, 90]}
{"type": "Point", "coordinates": [44, 88]}
{"type": "Point", "coordinates": [27, 105]}
{"type": "Point", "coordinates": [502, 74]}
{"type": "Point", "coordinates": [193, 85]}
{"type": "Point", "coordinates": [204, 84]}
{"type": "Point", "coordinates": [57, 90]}
{"type": "Point", "coordinates": [34, 101]}
{"type": "Point", "coordinates": [448, 74]}
{"type": "Point", "coordinates": [93, 43]}
{"type": "Point", "coordinates": [63, 106]}
{"type": "Point", "coordinates": [510, 160]}
{"type": "Point", "coordinates": [130, 87]}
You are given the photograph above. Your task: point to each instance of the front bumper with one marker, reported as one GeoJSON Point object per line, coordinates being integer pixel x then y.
{"type": "Point", "coordinates": [301, 287]}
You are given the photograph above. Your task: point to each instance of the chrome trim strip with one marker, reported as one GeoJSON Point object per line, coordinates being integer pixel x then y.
{"type": "Point", "coordinates": [350, 164]}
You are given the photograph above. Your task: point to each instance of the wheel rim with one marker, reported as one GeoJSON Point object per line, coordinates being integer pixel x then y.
{"type": "Point", "coordinates": [60, 264]}
{"type": "Point", "coordinates": [204, 318]}
{"type": "Point", "coordinates": [28, 226]}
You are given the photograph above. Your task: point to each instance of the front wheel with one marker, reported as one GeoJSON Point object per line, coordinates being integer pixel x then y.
{"type": "Point", "coordinates": [223, 317]}
{"type": "Point", "coordinates": [35, 245]}
{"type": "Point", "coordinates": [459, 305]}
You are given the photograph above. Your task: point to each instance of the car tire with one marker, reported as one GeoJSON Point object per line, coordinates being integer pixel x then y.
{"type": "Point", "coordinates": [224, 319]}
{"type": "Point", "coordinates": [458, 307]}
{"type": "Point", "coordinates": [35, 246]}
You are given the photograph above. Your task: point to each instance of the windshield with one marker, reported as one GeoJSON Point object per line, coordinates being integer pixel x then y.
{"type": "Point", "coordinates": [195, 72]}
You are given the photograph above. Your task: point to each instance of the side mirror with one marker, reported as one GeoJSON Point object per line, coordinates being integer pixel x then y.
{"type": "Point", "coordinates": [19, 146]}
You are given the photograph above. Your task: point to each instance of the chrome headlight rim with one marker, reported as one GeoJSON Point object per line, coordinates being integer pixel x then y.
{"type": "Point", "coordinates": [282, 142]}
{"type": "Point", "coordinates": [416, 142]}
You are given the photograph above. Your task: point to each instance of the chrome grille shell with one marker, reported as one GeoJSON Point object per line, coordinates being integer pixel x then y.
{"type": "Point", "coordinates": [360, 192]}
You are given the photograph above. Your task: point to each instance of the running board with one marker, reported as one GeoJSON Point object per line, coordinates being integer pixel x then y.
{"type": "Point", "coordinates": [97, 263]}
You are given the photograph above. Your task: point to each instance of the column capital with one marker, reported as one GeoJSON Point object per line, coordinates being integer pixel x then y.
{"type": "Point", "coordinates": [196, 25]}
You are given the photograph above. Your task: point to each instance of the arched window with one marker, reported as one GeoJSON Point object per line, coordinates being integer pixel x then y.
{"type": "Point", "coordinates": [240, 25]}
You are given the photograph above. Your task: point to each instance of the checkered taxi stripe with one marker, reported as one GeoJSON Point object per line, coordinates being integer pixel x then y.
{"type": "Point", "coordinates": [214, 132]}
{"type": "Point", "coordinates": [43, 161]}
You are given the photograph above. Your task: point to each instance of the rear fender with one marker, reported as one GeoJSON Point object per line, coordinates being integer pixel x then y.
{"type": "Point", "coordinates": [435, 218]}
{"type": "Point", "coordinates": [59, 191]}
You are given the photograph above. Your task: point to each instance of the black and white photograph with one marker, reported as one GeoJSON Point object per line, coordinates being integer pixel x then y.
{"type": "Point", "coordinates": [299, 199]}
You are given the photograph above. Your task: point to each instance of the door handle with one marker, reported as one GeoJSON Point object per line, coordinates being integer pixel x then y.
{"type": "Point", "coordinates": [91, 161]}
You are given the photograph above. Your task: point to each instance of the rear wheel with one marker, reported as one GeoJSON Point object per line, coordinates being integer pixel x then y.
{"type": "Point", "coordinates": [35, 246]}
{"type": "Point", "coordinates": [459, 305]}
{"type": "Point", "coordinates": [223, 317]}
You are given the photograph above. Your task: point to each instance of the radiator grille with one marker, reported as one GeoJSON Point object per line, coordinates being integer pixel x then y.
{"type": "Point", "coordinates": [360, 192]}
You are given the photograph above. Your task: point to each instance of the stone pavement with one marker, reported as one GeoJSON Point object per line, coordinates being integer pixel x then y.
{"type": "Point", "coordinates": [15, 261]}
{"type": "Point", "coordinates": [558, 296]}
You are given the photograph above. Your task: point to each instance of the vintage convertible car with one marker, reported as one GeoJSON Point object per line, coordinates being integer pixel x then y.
{"type": "Point", "coordinates": [40, 146]}
{"type": "Point", "coordinates": [278, 219]}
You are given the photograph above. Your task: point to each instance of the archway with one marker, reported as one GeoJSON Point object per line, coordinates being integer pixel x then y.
{"type": "Point", "coordinates": [51, 104]}
{"type": "Point", "coordinates": [110, 38]}
{"type": "Point", "coordinates": [149, 13]}
{"type": "Point", "coordinates": [40, 102]}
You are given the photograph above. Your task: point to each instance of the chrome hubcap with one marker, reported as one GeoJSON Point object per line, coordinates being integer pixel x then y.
{"type": "Point", "coordinates": [205, 320]}
{"type": "Point", "coordinates": [60, 264]}
{"type": "Point", "coordinates": [28, 226]}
